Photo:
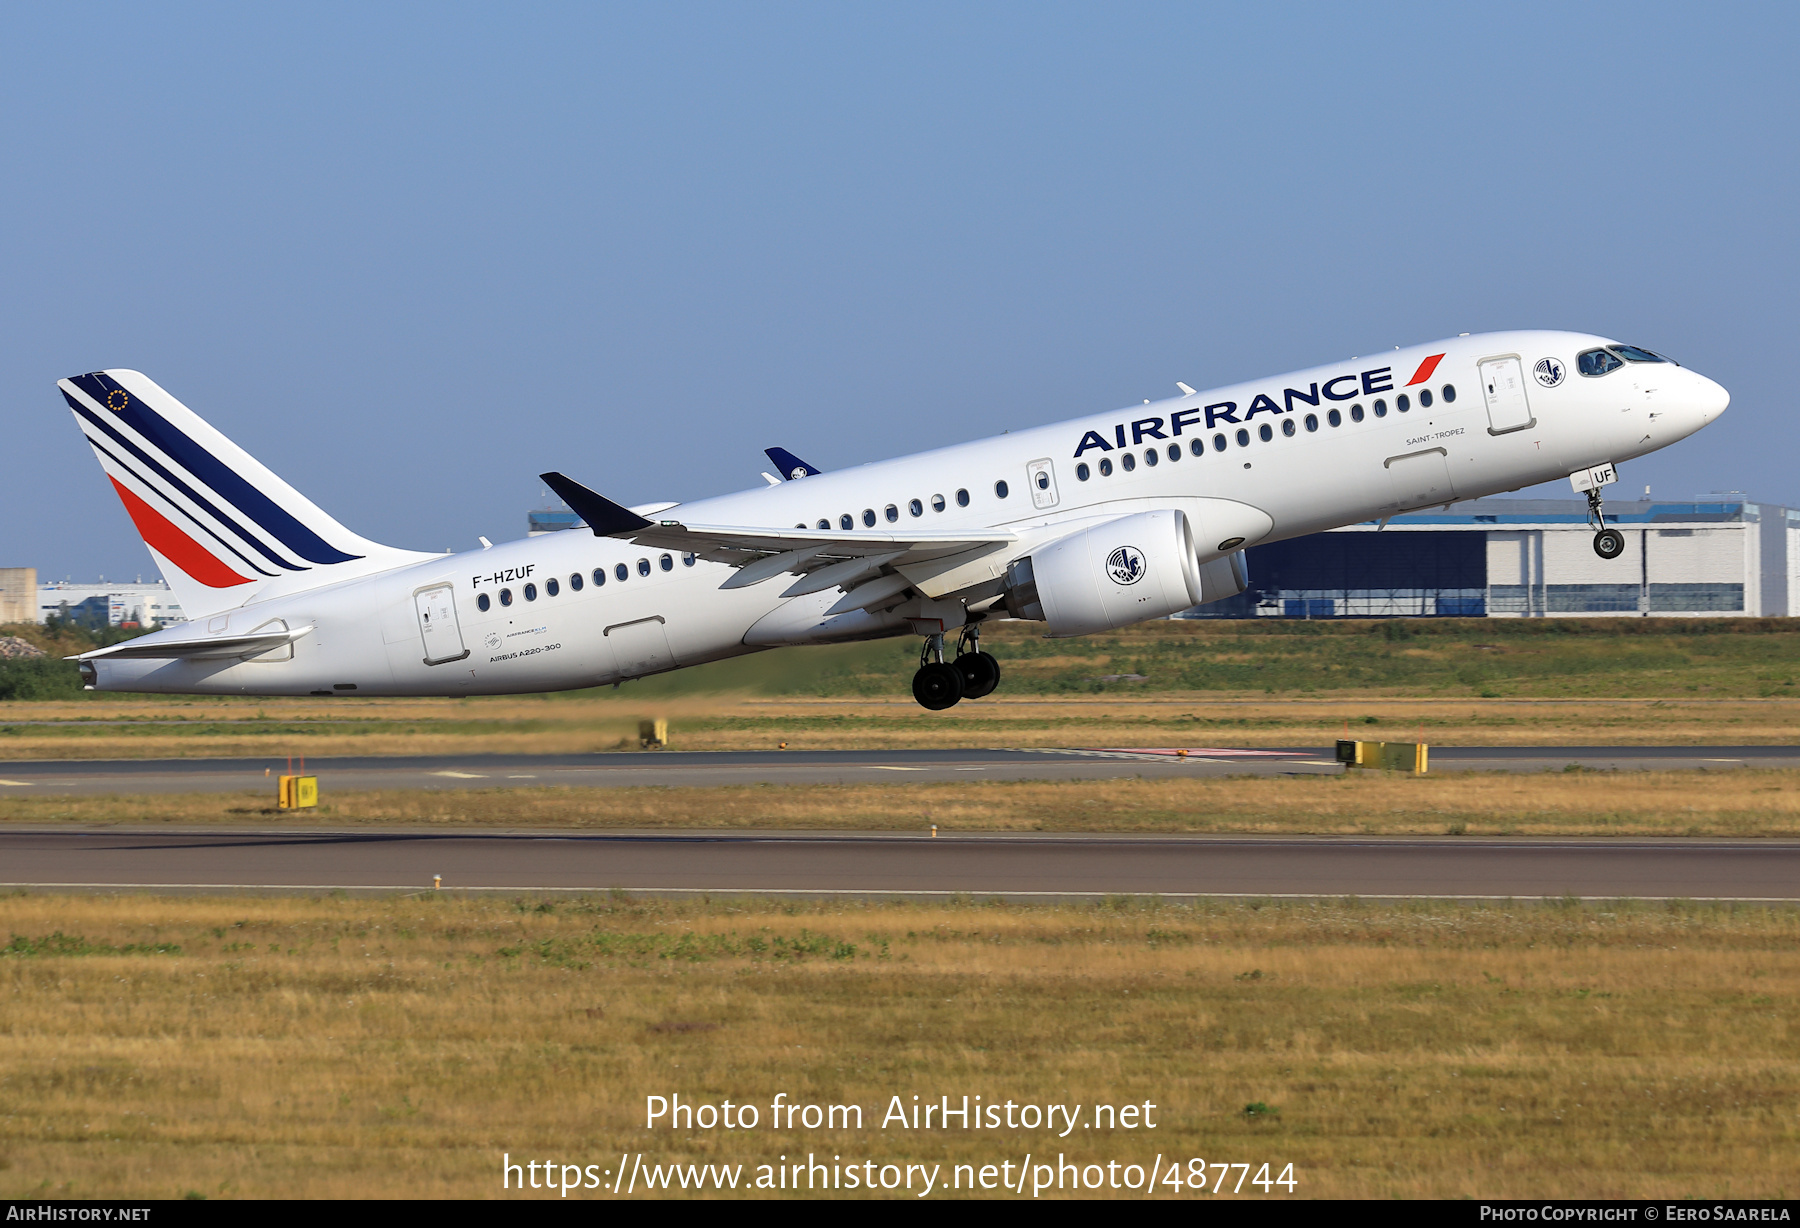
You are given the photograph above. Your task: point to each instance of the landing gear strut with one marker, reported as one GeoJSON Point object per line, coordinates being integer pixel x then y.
{"type": "Point", "coordinates": [940, 684]}
{"type": "Point", "coordinates": [1608, 543]}
{"type": "Point", "coordinates": [979, 670]}
{"type": "Point", "coordinates": [936, 686]}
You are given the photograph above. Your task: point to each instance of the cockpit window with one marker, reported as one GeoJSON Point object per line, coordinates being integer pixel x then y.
{"type": "Point", "coordinates": [1597, 362]}
{"type": "Point", "coordinates": [1630, 353]}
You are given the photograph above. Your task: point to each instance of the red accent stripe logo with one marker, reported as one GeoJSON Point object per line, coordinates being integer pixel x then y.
{"type": "Point", "coordinates": [161, 535]}
{"type": "Point", "coordinates": [1425, 370]}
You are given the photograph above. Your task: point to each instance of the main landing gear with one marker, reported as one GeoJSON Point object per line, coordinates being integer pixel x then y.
{"type": "Point", "coordinates": [1608, 543]}
{"type": "Point", "coordinates": [940, 684]}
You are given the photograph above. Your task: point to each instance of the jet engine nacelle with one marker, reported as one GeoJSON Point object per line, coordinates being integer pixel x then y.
{"type": "Point", "coordinates": [1112, 575]}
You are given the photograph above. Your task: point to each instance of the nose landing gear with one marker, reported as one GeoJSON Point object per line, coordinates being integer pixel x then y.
{"type": "Point", "coordinates": [1608, 543]}
{"type": "Point", "coordinates": [941, 684]}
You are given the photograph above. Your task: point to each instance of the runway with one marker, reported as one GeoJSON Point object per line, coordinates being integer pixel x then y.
{"type": "Point", "coordinates": [674, 769]}
{"type": "Point", "coordinates": [1023, 866]}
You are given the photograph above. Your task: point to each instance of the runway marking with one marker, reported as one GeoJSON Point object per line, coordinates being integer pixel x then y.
{"type": "Point", "coordinates": [521, 777]}
{"type": "Point", "coordinates": [882, 767]}
{"type": "Point", "coordinates": [1318, 763]}
{"type": "Point", "coordinates": [23, 784]}
{"type": "Point", "coordinates": [462, 775]}
{"type": "Point", "coordinates": [886, 891]}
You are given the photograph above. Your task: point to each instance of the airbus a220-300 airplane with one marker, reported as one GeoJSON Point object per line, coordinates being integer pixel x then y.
{"type": "Point", "coordinates": [1085, 526]}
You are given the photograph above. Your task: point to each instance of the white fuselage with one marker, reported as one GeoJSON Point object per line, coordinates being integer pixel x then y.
{"type": "Point", "coordinates": [365, 636]}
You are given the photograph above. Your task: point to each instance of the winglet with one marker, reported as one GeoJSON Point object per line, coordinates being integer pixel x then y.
{"type": "Point", "coordinates": [602, 515]}
{"type": "Point", "coordinates": [789, 465]}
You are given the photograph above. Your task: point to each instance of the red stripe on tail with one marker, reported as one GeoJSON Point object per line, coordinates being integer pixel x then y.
{"type": "Point", "coordinates": [161, 535]}
{"type": "Point", "coordinates": [1425, 370]}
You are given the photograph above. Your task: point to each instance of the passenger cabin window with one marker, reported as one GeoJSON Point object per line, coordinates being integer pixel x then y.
{"type": "Point", "coordinates": [962, 498]}
{"type": "Point", "coordinates": [1243, 438]}
{"type": "Point", "coordinates": [891, 512]}
{"type": "Point", "coordinates": [1150, 458]}
{"type": "Point", "coordinates": [1287, 427]}
{"type": "Point", "coordinates": [643, 567]}
{"type": "Point", "coordinates": [1174, 451]}
{"type": "Point", "coordinates": [1449, 391]}
{"type": "Point", "coordinates": [531, 592]}
{"type": "Point", "coordinates": [482, 603]}
{"type": "Point", "coordinates": [506, 596]}
{"type": "Point", "coordinates": [1598, 362]}
{"type": "Point", "coordinates": [688, 560]}
{"type": "Point", "coordinates": [1630, 353]}
{"type": "Point", "coordinates": [1424, 398]}
{"type": "Point", "coordinates": [599, 577]}
{"type": "Point", "coordinates": [915, 507]}
{"type": "Point", "coordinates": [575, 581]}
{"type": "Point", "coordinates": [621, 572]}
{"type": "Point", "coordinates": [1356, 413]}
{"type": "Point", "coordinates": [869, 517]}
{"type": "Point", "coordinates": [937, 503]}
{"type": "Point", "coordinates": [1082, 472]}
{"type": "Point", "coordinates": [1335, 418]}
{"type": "Point", "coordinates": [1218, 443]}
{"type": "Point", "coordinates": [1106, 466]}
{"type": "Point", "coordinates": [846, 521]}
{"type": "Point", "coordinates": [1265, 432]}
{"type": "Point", "coordinates": [1128, 462]}
{"type": "Point", "coordinates": [1312, 422]}
{"type": "Point", "coordinates": [824, 524]}
{"type": "Point", "coordinates": [666, 562]}
{"type": "Point", "coordinates": [1000, 490]}
{"type": "Point", "coordinates": [551, 587]}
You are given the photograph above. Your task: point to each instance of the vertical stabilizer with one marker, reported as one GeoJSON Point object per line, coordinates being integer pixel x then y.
{"type": "Point", "coordinates": [223, 529]}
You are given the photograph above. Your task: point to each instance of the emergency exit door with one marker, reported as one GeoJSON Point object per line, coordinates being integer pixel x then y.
{"type": "Point", "coordinates": [1503, 384]}
{"type": "Point", "coordinates": [1042, 476]}
{"type": "Point", "coordinates": [436, 608]}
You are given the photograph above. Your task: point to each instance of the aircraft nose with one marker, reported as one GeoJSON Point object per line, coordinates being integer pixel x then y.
{"type": "Point", "coordinates": [1710, 399]}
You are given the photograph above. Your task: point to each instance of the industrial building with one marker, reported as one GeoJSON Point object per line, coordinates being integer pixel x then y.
{"type": "Point", "coordinates": [1532, 558]}
{"type": "Point", "coordinates": [138, 603]}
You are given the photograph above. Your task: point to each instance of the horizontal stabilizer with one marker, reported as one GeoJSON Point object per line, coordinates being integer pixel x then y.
{"type": "Point", "coordinates": [209, 648]}
{"type": "Point", "coordinates": [603, 516]}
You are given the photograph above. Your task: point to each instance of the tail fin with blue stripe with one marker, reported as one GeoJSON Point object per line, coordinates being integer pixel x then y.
{"type": "Point", "coordinates": [222, 527]}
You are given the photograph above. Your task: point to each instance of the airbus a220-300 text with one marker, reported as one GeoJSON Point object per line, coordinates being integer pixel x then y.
{"type": "Point", "coordinates": [1084, 526]}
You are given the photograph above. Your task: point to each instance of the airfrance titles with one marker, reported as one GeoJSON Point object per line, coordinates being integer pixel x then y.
{"type": "Point", "coordinates": [1343, 388]}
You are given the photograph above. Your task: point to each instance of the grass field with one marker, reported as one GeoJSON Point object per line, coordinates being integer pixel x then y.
{"type": "Point", "coordinates": [254, 1047]}
{"type": "Point", "coordinates": [1233, 683]}
{"type": "Point", "coordinates": [1738, 803]}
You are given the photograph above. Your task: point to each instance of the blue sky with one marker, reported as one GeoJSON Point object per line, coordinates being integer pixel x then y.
{"type": "Point", "coordinates": [412, 255]}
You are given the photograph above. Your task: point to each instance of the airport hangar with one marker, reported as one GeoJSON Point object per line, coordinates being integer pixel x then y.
{"type": "Point", "coordinates": [1515, 558]}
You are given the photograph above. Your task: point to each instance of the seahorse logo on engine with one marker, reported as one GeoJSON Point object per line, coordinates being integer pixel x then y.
{"type": "Point", "coordinates": [1125, 565]}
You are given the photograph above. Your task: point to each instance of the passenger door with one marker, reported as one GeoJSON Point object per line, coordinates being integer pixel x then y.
{"type": "Point", "coordinates": [436, 608]}
{"type": "Point", "coordinates": [1503, 384]}
{"type": "Point", "coordinates": [1041, 474]}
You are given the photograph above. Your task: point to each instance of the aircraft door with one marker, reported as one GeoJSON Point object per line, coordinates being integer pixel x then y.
{"type": "Point", "coordinates": [1042, 476]}
{"type": "Point", "coordinates": [641, 647]}
{"type": "Point", "coordinates": [436, 608]}
{"type": "Point", "coordinates": [1503, 384]}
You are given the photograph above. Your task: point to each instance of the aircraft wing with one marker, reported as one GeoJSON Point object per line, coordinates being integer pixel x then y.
{"type": "Point", "coordinates": [761, 553]}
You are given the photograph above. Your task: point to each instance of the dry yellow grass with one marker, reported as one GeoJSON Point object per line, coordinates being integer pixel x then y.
{"type": "Point", "coordinates": [1746, 803]}
{"type": "Point", "coordinates": [211, 727]}
{"type": "Point", "coordinates": [398, 1047]}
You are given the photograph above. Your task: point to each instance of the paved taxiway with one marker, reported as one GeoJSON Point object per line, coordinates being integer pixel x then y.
{"type": "Point", "coordinates": [878, 865]}
{"type": "Point", "coordinates": [798, 767]}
